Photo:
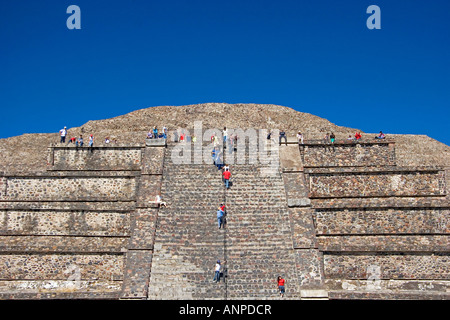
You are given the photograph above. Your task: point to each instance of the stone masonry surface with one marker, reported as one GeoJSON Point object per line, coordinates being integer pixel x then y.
{"type": "Point", "coordinates": [345, 221]}
{"type": "Point", "coordinates": [68, 188]}
{"type": "Point", "coordinates": [105, 158]}
{"type": "Point", "coordinates": [348, 154]}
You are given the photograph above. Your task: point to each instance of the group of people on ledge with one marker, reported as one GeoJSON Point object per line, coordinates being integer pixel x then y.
{"type": "Point", "coordinates": [328, 138]}
{"type": "Point", "coordinates": [331, 137]}
{"type": "Point", "coordinates": [155, 134]}
{"type": "Point", "coordinates": [79, 142]}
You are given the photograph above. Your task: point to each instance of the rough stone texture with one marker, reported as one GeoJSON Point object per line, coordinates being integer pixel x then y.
{"type": "Point", "coordinates": [46, 222]}
{"type": "Point", "coordinates": [310, 268]}
{"type": "Point", "coordinates": [387, 243]}
{"type": "Point", "coordinates": [348, 154]}
{"type": "Point", "coordinates": [137, 274]}
{"type": "Point", "coordinates": [57, 267]}
{"type": "Point", "coordinates": [392, 266]}
{"type": "Point", "coordinates": [58, 244]}
{"type": "Point", "coordinates": [104, 158]}
{"type": "Point", "coordinates": [382, 221]}
{"type": "Point", "coordinates": [68, 188]}
{"type": "Point", "coordinates": [367, 184]}
{"type": "Point", "coordinates": [28, 152]}
{"type": "Point", "coordinates": [303, 231]}
{"type": "Point", "coordinates": [324, 216]}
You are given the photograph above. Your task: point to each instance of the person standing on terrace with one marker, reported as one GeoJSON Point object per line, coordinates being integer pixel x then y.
{"type": "Point", "coordinates": [282, 136]}
{"type": "Point", "coordinates": [300, 137]}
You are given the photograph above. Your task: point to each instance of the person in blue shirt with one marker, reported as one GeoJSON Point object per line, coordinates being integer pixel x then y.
{"type": "Point", "coordinates": [220, 215]}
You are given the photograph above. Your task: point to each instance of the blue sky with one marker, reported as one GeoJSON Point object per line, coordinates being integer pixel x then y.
{"type": "Point", "coordinates": [314, 56]}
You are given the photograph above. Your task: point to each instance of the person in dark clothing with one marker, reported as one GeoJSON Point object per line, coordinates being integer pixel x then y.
{"type": "Point", "coordinates": [282, 136]}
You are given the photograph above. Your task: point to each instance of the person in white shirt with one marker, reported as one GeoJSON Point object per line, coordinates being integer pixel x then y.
{"type": "Point", "coordinates": [159, 201]}
{"type": "Point", "coordinates": [91, 141]}
{"type": "Point", "coordinates": [225, 135]}
{"type": "Point", "coordinates": [217, 272]}
{"type": "Point", "coordinates": [300, 137]}
{"type": "Point", "coordinates": [63, 134]}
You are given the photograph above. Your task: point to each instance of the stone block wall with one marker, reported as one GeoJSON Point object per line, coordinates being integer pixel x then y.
{"type": "Point", "coordinates": [342, 219]}
{"type": "Point", "coordinates": [75, 231]}
{"type": "Point", "coordinates": [69, 188]}
{"type": "Point", "coordinates": [391, 266]}
{"type": "Point", "coordinates": [368, 221]}
{"type": "Point", "coordinates": [371, 229]}
{"type": "Point", "coordinates": [98, 158]}
{"type": "Point", "coordinates": [376, 183]}
{"type": "Point", "coordinates": [349, 154]}
{"type": "Point", "coordinates": [64, 222]}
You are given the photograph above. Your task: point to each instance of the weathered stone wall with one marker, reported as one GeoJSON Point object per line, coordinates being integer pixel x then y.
{"type": "Point", "coordinates": [69, 188]}
{"type": "Point", "coordinates": [382, 221]}
{"type": "Point", "coordinates": [75, 231]}
{"type": "Point", "coordinates": [348, 154]}
{"type": "Point", "coordinates": [56, 266]}
{"type": "Point", "coordinates": [384, 243]}
{"type": "Point", "coordinates": [333, 214]}
{"type": "Point", "coordinates": [369, 215]}
{"type": "Point", "coordinates": [64, 222]}
{"type": "Point", "coordinates": [391, 266]}
{"type": "Point", "coordinates": [97, 158]}
{"type": "Point", "coordinates": [376, 183]}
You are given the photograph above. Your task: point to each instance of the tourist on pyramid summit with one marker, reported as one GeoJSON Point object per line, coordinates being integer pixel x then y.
{"type": "Point", "coordinates": [380, 136]}
{"type": "Point", "coordinates": [63, 133]}
{"type": "Point", "coordinates": [149, 135]}
{"type": "Point", "coordinates": [358, 136]}
{"type": "Point", "coordinates": [155, 132]}
{"type": "Point", "coordinates": [79, 141]}
{"type": "Point", "coordinates": [326, 138]}
{"type": "Point", "coordinates": [332, 137]}
{"type": "Point", "coordinates": [282, 136]}
{"type": "Point", "coordinates": [225, 135]}
{"type": "Point", "coordinates": [300, 137]}
{"type": "Point", "coordinates": [91, 141]}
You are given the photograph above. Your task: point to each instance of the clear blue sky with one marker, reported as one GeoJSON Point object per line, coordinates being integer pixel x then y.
{"type": "Point", "coordinates": [314, 56]}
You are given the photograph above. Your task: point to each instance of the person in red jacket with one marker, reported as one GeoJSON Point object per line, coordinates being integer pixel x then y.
{"type": "Point", "coordinates": [358, 136]}
{"type": "Point", "coordinates": [226, 175]}
{"type": "Point", "coordinates": [281, 282]}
